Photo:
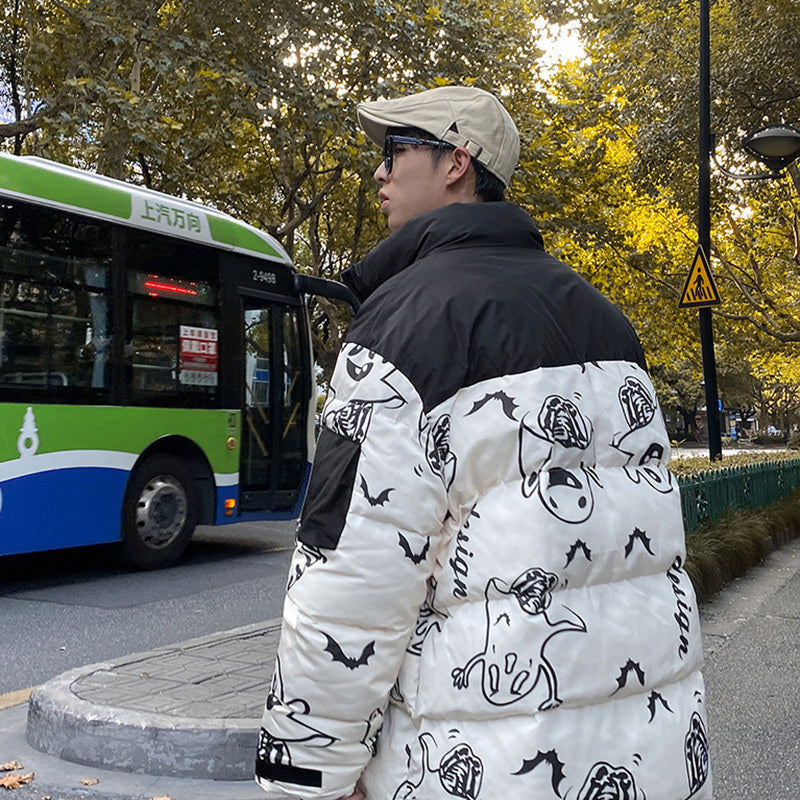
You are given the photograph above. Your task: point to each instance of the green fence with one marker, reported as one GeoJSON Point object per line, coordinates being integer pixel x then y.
{"type": "Point", "coordinates": [706, 496]}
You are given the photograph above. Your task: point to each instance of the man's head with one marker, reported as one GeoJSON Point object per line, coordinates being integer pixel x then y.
{"type": "Point", "coordinates": [447, 145]}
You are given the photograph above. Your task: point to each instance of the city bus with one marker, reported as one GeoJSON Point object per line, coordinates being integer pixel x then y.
{"type": "Point", "coordinates": [155, 367]}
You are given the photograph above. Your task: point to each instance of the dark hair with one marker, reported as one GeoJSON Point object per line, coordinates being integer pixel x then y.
{"type": "Point", "coordinates": [487, 185]}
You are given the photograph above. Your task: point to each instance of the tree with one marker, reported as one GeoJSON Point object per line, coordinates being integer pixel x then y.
{"type": "Point", "coordinates": [639, 80]}
{"type": "Point", "coordinates": [680, 389]}
{"type": "Point", "coordinates": [635, 246]}
{"type": "Point", "coordinates": [251, 111]}
{"type": "Point", "coordinates": [777, 389]}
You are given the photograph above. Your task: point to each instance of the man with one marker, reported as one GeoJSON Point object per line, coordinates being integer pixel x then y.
{"type": "Point", "coordinates": [489, 562]}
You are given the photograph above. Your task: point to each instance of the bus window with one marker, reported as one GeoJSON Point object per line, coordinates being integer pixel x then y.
{"type": "Point", "coordinates": [275, 415]}
{"type": "Point", "coordinates": [55, 324]}
{"type": "Point", "coordinates": [172, 337]}
{"type": "Point", "coordinates": [257, 413]}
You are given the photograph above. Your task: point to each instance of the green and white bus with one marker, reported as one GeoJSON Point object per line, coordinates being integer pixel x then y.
{"type": "Point", "coordinates": [155, 367]}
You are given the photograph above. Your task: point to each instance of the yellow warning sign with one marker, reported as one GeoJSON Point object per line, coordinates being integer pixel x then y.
{"type": "Point", "coordinates": [700, 289]}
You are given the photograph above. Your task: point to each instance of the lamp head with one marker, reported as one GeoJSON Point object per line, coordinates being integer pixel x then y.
{"type": "Point", "coordinates": [775, 146]}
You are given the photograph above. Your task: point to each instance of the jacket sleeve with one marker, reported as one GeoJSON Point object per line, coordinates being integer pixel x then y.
{"type": "Point", "coordinates": [367, 543]}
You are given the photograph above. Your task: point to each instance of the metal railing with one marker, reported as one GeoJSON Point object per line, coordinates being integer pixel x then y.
{"type": "Point", "coordinates": [706, 496]}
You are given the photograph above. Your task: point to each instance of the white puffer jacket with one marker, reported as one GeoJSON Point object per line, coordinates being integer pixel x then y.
{"type": "Point", "coordinates": [487, 599]}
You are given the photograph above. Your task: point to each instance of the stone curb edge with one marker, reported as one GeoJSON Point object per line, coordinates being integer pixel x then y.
{"type": "Point", "coordinates": [68, 727]}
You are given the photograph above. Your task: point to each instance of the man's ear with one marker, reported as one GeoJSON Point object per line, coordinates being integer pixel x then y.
{"type": "Point", "coordinates": [460, 162]}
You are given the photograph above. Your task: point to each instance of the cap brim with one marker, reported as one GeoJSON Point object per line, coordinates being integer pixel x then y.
{"type": "Point", "coordinates": [373, 125]}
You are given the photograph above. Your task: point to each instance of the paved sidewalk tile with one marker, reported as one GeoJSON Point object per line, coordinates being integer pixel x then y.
{"type": "Point", "coordinates": [224, 676]}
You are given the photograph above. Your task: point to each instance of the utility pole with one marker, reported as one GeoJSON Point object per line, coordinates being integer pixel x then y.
{"type": "Point", "coordinates": [704, 233]}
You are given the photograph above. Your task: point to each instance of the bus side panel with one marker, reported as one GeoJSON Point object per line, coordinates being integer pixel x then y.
{"type": "Point", "coordinates": [64, 469]}
{"type": "Point", "coordinates": [60, 508]}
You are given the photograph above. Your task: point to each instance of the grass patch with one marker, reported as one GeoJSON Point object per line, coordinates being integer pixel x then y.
{"type": "Point", "coordinates": [720, 551]}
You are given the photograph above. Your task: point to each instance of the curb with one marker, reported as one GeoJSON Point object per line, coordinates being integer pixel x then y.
{"type": "Point", "coordinates": [62, 724]}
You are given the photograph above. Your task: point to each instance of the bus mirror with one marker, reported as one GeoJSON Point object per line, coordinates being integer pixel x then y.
{"type": "Point", "coordinates": [310, 284]}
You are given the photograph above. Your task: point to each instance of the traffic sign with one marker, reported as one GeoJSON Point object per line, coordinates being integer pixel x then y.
{"type": "Point", "coordinates": [700, 289]}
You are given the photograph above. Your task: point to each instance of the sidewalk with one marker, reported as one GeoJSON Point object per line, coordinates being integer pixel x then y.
{"type": "Point", "coordinates": [182, 721]}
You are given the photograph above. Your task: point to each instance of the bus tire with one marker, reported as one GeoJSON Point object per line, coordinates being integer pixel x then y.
{"type": "Point", "coordinates": [159, 513]}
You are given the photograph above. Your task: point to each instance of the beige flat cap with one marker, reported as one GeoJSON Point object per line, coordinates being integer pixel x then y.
{"type": "Point", "coordinates": [461, 115]}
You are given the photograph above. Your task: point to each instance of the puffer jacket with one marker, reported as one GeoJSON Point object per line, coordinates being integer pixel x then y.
{"type": "Point", "coordinates": [487, 600]}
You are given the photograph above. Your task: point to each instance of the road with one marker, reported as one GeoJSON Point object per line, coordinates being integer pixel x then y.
{"type": "Point", "coordinates": [77, 607]}
{"type": "Point", "coordinates": [751, 633]}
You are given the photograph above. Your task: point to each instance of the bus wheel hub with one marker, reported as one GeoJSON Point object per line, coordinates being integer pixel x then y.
{"type": "Point", "coordinates": [161, 511]}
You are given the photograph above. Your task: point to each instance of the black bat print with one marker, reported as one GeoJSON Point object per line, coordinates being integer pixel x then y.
{"type": "Point", "coordinates": [651, 704]}
{"type": "Point", "coordinates": [507, 402]}
{"type": "Point", "coordinates": [642, 537]}
{"type": "Point", "coordinates": [631, 666]}
{"type": "Point", "coordinates": [417, 558]}
{"type": "Point", "coordinates": [337, 654]}
{"type": "Point", "coordinates": [551, 758]}
{"type": "Point", "coordinates": [377, 500]}
{"type": "Point", "coordinates": [579, 544]}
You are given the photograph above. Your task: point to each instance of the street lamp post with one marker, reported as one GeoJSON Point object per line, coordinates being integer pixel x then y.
{"type": "Point", "coordinates": [775, 146]}
{"type": "Point", "coordinates": [704, 233]}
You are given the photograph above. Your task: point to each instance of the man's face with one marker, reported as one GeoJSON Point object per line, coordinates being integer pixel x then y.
{"type": "Point", "coordinates": [415, 185]}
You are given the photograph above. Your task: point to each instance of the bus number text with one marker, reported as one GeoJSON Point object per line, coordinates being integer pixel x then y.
{"type": "Point", "coordinates": [264, 277]}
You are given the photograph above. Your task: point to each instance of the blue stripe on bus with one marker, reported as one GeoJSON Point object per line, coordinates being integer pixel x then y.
{"type": "Point", "coordinates": [85, 501]}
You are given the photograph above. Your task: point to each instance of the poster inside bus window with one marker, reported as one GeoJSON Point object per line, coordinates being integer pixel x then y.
{"type": "Point", "coordinates": [199, 356]}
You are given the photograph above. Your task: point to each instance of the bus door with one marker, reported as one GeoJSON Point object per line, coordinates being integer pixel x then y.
{"type": "Point", "coordinates": [275, 409]}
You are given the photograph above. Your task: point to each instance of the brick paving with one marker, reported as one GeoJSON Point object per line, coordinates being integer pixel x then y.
{"type": "Point", "coordinates": [222, 676]}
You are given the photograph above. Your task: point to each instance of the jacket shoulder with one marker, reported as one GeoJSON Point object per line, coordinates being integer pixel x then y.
{"type": "Point", "coordinates": [462, 315]}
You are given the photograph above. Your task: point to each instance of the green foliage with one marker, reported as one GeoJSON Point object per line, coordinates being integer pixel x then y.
{"type": "Point", "coordinates": [639, 86]}
{"type": "Point", "coordinates": [253, 112]}
{"type": "Point", "coordinates": [719, 552]}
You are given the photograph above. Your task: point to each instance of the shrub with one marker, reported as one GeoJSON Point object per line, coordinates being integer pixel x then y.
{"type": "Point", "coordinates": [694, 464]}
{"type": "Point", "coordinates": [720, 551]}
{"type": "Point", "coordinates": [768, 439]}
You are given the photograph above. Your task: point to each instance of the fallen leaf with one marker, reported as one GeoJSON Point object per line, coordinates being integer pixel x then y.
{"type": "Point", "coordinates": [10, 765]}
{"type": "Point", "coordinates": [165, 797]}
{"type": "Point", "coordinates": [15, 781]}
{"type": "Point", "coordinates": [90, 781]}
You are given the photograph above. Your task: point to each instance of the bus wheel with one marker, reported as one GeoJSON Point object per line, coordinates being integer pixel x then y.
{"type": "Point", "coordinates": [159, 513]}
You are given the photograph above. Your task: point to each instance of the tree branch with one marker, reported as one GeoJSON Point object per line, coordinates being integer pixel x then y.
{"type": "Point", "coordinates": [24, 126]}
{"type": "Point", "coordinates": [307, 209]}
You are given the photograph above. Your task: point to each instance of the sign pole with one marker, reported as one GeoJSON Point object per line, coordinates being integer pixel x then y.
{"type": "Point", "coordinates": [704, 234]}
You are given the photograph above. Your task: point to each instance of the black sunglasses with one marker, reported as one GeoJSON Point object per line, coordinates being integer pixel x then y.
{"type": "Point", "coordinates": [392, 139]}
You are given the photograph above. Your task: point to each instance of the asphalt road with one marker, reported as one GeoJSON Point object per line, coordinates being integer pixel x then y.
{"type": "Point", "coordinates": [72, 608]}
{"type": "Point", "coordinates": [751, 633]}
